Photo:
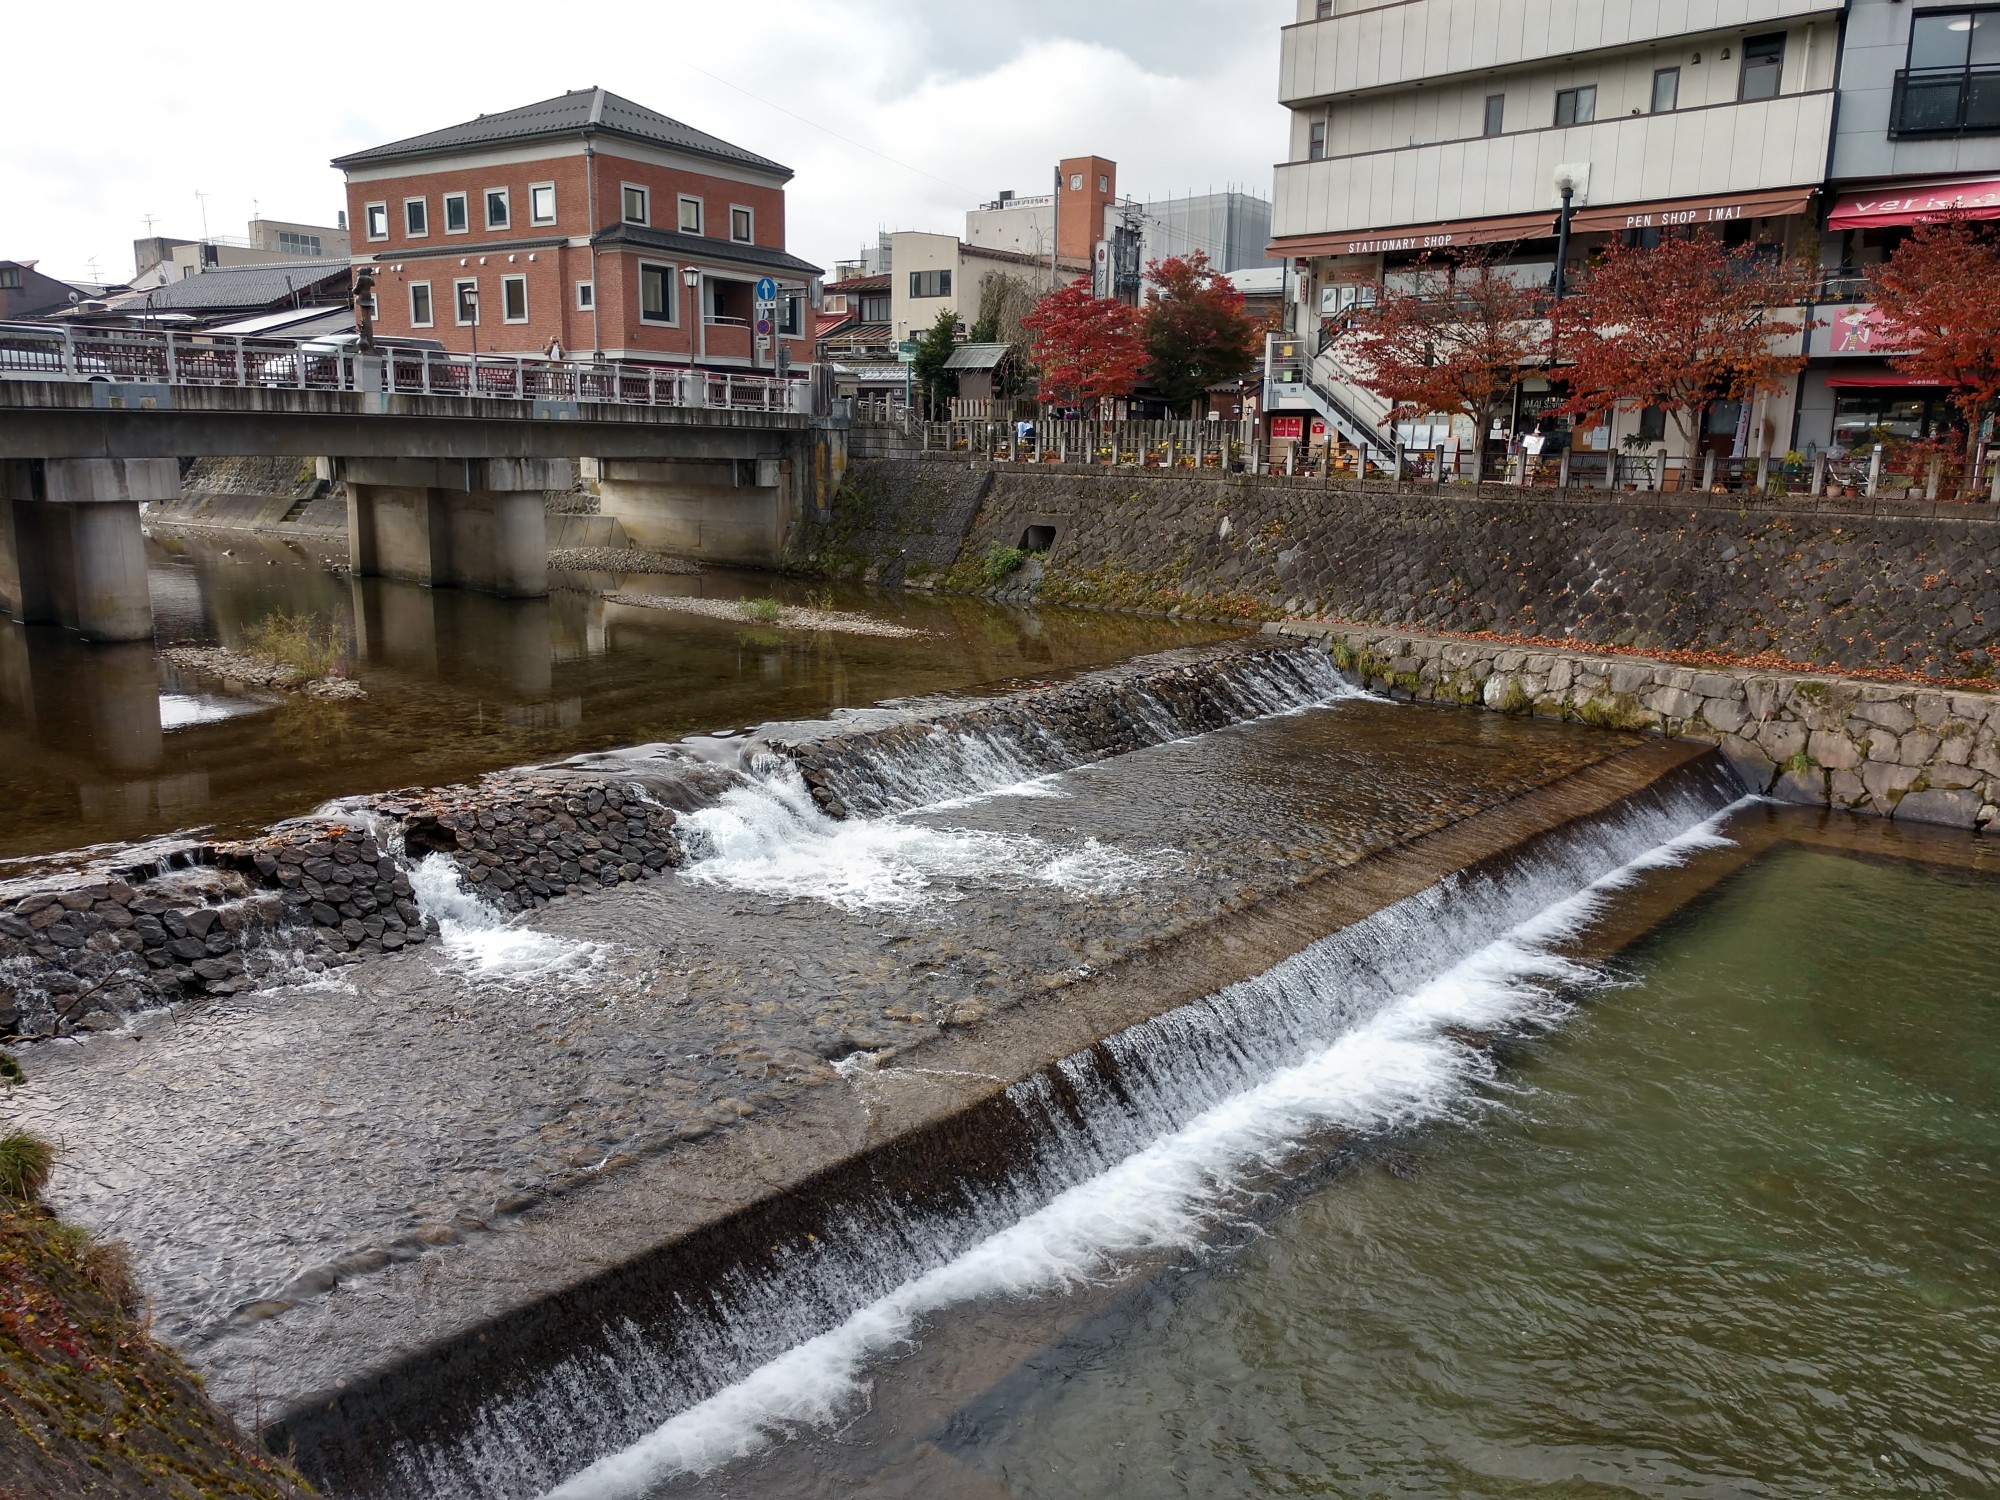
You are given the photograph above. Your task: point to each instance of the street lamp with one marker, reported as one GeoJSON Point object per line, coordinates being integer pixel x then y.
{"type": "Point", "coordinates": [1568, 180]}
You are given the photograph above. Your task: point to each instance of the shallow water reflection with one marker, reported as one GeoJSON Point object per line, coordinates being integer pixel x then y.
{"type": "Point", "coordinates": [458, 684]}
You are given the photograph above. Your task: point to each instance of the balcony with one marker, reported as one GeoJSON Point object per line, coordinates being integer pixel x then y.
{"type": "Point", "coordinates": [1376, 45]}
{"type": "Point", "coordinates": [1691, 153]}
{"type": "Point", "coordinates": [1933, 102]}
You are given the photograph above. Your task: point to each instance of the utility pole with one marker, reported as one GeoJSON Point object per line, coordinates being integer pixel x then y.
{"type": "Point", "coordinates": [1055, 229]}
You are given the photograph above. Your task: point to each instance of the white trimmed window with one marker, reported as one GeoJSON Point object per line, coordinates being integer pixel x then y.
{"type": "Point", "coordinates": [656, 293]}
{"type": "Point", "coordinates": [498, 215]}
{"type": "Point", "coordinates": [690, 222]}
{"type": "Point", "coordinates": [465, 297]}
{"type": "Point", "coordinates": [375, 221]}
{"type": "Point", "coordinates": [514, 299]}
{"type": "Point", "coordinates": [586, 296]}
{"type": "Point", "coordinates": [455, 219]}
{"type": "Point", "coordinates": [636, 204]}
{"type": "Point", "coordinates": [420, 304]}
{"type": "Point", "coordinates": [416, 217]}
{"type": "Point", "coordinates": [742, 224]}
{"type": "Point", "coordinates": [542, 203]}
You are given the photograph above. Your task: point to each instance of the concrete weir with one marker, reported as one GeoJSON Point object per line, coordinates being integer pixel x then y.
{"type": "Point", "coordinates": [410, 1365]}
{"type": "Point", "coordinates": [683, 1027]}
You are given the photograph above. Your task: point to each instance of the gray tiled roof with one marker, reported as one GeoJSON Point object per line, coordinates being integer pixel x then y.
{"type": "Point", "coordinates": [977, 356]}
{"type": "Point", "coordinates": [701, 247]}
{"type": "Point", "coordinates": [247, 287]}
{"type": "Point", "coordinates": [566, 114]}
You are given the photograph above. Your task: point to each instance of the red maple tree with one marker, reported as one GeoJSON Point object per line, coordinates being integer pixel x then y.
{"type": "Point", "coordinates": [1085, 348]}
{"type": "Point", "coordinates": [1454, 338]}
{"type": "Point", "coordinates": [1681, 326]}
{"type": "Point", "coordinates": [1195, 329]}
{"type": "Point", "coordinates": [1939, 302]}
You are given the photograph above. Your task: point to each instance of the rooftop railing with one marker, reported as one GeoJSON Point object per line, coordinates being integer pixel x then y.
{"type": "Point", "coordinates": [153, 357]}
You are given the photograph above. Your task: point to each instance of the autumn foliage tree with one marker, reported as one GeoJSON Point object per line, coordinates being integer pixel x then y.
{"type": "Point", "coordinates": [1456, 338]}
{"type": "Point", "coordinates": [1680, 327]}
{"type": "Point", "coordinates": [1196, 330]}
{"type": "Point", "coordinates": [1939, 301]}
{"type": "Point", "coordinates": [1085, 348]}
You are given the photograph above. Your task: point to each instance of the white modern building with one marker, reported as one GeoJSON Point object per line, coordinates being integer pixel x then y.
{"type": "Point", "coordinates": [1427, 125]}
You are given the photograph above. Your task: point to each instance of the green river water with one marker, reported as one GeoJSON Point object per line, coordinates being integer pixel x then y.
{"type": "Point", "coordinates": [1733, 1230]}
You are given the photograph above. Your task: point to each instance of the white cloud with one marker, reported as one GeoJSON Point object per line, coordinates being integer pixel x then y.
{"type": "Point", "coordinates": [247, 103]}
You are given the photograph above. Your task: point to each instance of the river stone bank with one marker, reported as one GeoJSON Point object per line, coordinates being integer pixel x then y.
{"type": "Point", "coordinates": [1919, 754]}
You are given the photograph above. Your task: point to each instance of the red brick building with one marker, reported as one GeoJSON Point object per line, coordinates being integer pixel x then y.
{"type": "Point", "coordinates": [587, 219]}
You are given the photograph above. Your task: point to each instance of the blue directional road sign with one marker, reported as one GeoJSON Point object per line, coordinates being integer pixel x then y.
{"type": "Point", "coordinates": [767, 289]}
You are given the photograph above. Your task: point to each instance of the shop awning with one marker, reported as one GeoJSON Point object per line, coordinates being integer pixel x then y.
{"type": "Point", "coordinates": [1874, 382]}
{"type": "Point", "coordinates": [1440, 236]}
{"type": "Point", "coordinates": [1675, 212]}
{"type": "Point", "coordinates": [1912, 203]}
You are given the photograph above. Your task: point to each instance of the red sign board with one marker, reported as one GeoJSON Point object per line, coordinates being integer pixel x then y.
{"type": "Point", "coordinates": [1288, 427]}
{"type": "Point", "coordinates": [1903, 204]}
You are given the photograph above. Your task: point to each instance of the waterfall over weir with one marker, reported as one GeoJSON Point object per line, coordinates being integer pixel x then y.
{"type": "Point", "coordinates": [1149, 1142]}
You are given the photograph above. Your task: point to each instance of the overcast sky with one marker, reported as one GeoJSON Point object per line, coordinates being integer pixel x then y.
{"type": "Point", "coordinates": [942, 102]}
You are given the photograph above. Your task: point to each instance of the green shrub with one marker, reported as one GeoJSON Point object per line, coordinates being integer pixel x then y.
{"type": "Point", "coordinates": [1799, 764]}
{"type": "Point", "coordinates": [24, 1165]}
{"type": "Point", "coordinates": [1002, 563]}
{"type": "Point", "coordinates": [767, 611]}
{"type": "Point", "coordinates": [10, 1070]}
{"type": "Point", "coordinates": [312, 646]}
{"type": "Point", "coordinates": [1515, 700]}
{"type": "Point", "coordinates": [1343, 655]}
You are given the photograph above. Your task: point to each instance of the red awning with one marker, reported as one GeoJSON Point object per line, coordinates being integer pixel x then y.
{"type": "Point", "coordinates": [1440, 236]}
{"type": "Point", "coordinates": [1873, 382]}
{"type": "Point", "coordinates": [1677, 211]}
{"type": "Point", "coordinates": [1913, 203]}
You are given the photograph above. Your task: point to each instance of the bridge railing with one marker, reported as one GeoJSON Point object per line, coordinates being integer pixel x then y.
{"type": "Point", "coordinates": [156, 357]}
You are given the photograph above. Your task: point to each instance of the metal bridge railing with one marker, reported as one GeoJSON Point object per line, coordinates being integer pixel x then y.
{"type": "Point", "coordinates": [123, 356]}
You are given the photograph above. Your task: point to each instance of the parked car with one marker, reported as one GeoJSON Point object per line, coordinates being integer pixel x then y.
{"type": "Point", "coordinates": [35, 351]}
{"type": "Point", "coordinates": [321, 358]}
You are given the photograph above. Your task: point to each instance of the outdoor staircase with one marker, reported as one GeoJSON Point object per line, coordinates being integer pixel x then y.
{"type": "Point", "coordinates": [1318, 383]}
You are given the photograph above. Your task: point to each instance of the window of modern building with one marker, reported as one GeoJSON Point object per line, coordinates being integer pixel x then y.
{"type": "Point", "coordinates": [875, 307]}
{"type": "Point", "coordinates": [1576, 106]}
{"type": "Point", "coordinates": [740, 225]}
{"type": "Point", "coordinates": [455, 218]}
{"type": "Point", "coordinates": [290, 243]}
{"type": "Point", "coordinates": [791, 319]}
{"type": "Point", "coordinates": [1316, 141]}
{"type": "Point", "coordinates": [1322, 10]}
{"type": "Point", "coordinates": [586, 296]}
{"type": "Point", "coordinates": [375, 220]}
{"type": "Point", "coordinates": [465, 297]}
{"type": "Point", "coordinates": [1103, 183]}
{"type": "Point", "coordinates": [690, 216]}
{"type": "Point", "coordinates": [542, 203]}
{"type": "Point", "coordinates": [416, 217]}
{"type": "Point", "coordinates": [1653, 424]}
{"type": "Point", "coordinates": [1763, 66]}
{"type": "Point", "coordinates": [420, 304]}
{"type": "Point", "coordinates": [514, 299]}
{"type": "Point", "coordinates": [10, 278]}
{"type": "Point", "coordinates": [636, 209]}
{"type": "Point", "coordinates": [834, 302]}
{"type": "Point", "coordinates": [1952, 83]}
{"type": "Point", "coordinates": [1666, 90]}
{"type": "Point", "coordinates": [1496, 114]}
{"type": "Point", "coordinates": [656, 294]}
{"type": "Point", "coordinates": [496, 208]}
{"type": "Point", "coordinates": [930, 283]}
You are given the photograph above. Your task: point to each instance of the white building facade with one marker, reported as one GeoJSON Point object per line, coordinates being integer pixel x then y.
{"type": "Point", "coordinates": [1428, 125]}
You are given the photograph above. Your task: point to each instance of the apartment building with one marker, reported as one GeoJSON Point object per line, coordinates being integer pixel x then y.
{"type": "Point", "coordinates": [1917, 134]}
{"type": "Point", "coordinates": [1434, 124]}
{"type": "Point", "coordinates": [930, 273]}
{"type": "Point", "coordinates": [587, 219]}
{"type": "Point", "coordinates": [158, 260]}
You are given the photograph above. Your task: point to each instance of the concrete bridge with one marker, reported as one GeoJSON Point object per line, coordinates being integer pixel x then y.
{"type": "Point", "coordinates": [444, 489]}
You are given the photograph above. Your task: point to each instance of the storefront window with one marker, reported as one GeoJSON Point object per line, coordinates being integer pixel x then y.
{"type": "Point", "coordinates": [1863, 417]}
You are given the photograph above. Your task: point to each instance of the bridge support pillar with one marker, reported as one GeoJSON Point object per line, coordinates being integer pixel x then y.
{"type": "Point", "coordinates": [476, 523]}
{"type": "Point", "coordinates": [736, 510]}
{"type": "Point", "coordinates": [71, 552]}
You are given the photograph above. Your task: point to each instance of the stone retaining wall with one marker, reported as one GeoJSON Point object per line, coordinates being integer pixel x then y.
{"type": "Point", "coordinates": [1924, 754]}
{"type": "Point", "coordinates": [1843, 583]}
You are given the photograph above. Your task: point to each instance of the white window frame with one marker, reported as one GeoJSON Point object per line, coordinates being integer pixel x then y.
{"type": "Point", "coordinates": [486, 197]}
{"type": "Point", "coordinates": [673, 273]}
{"type": "Point", "coordinates": [748, 212]}
{"type": "Point", "coordinates": [586, 296]}
{"type": "Point", "coordinates": [423, 207]}
{"type": "Point", "coordinates": [458, 286]}
{"type": "Point", "coordinates": [368, 212]}
{"type": "Point", "coordinates": [534, 188]}
{"type": "Point", "coordinates": [645, 203]}
{"type": "Point", "coordinates": [681, 201]}
{"type": "Point", "coordinates": [505, 282]}
{"type": "Point", "coordinates": [425, 322]}
{"type": "Point", "coordinates": [465, 205]}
